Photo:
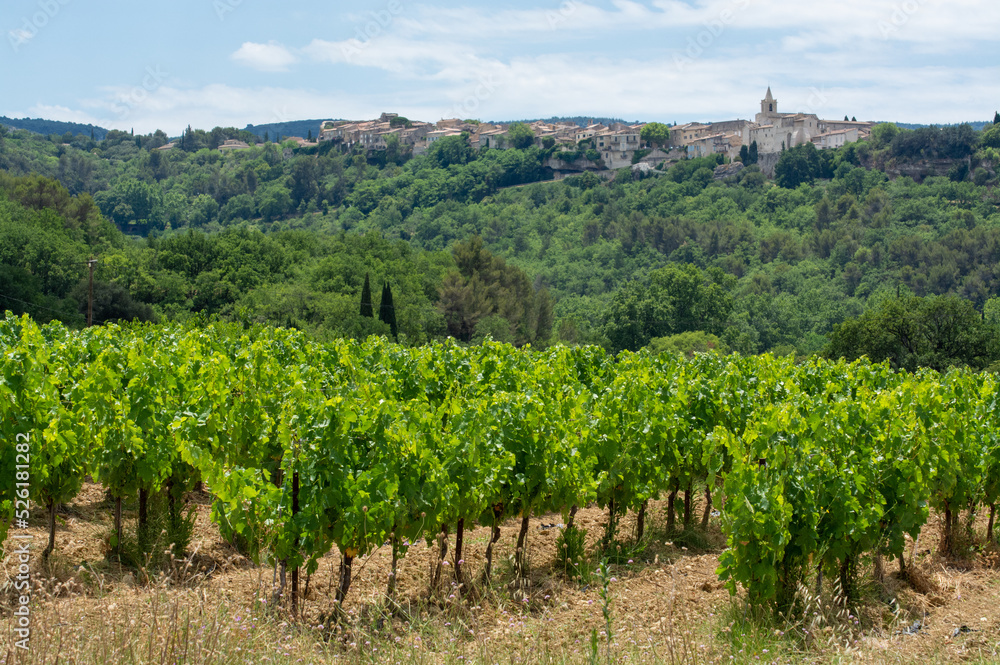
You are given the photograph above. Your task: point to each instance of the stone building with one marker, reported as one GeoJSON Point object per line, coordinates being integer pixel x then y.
{"type": "Point", "coordinates": [774, 131]}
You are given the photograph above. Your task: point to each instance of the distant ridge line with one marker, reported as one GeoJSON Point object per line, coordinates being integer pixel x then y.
{"type": "Point", "coordinates": [48, 127]}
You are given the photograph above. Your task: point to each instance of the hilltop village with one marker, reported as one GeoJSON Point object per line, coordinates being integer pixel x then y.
{"type": "Point", "coordinates": [610, 146]}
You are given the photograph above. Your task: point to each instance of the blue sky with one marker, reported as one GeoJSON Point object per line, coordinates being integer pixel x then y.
{"type": "Point", "coordinates": [157, 64]}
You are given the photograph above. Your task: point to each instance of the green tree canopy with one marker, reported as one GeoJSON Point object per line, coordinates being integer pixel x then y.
{"type": "Point", "coordinates": [387, 311]}
{"type": "Point", "coordinates": [520, 136]}
{"type": "Point", "coordinates": [912, 331]}
{"type": "Point", "coordinates": [688, 343]}
{"type": "Point", "coordinates": [451, 150]}
{"type": "Point", "coordinates": [675, 299]}
{"type": "Point", "coordinates": [798, 165]}
{"type": "Point", "coordinates": [655, 133]}
{"type": "Point", "coordinates": [991, 136]}
{"type": "Point", "coordinates": [366, 299]}
{"type": "Point", "coordinates": [485, 286]}
{"type": "Point", "coordinates": [883, 134]}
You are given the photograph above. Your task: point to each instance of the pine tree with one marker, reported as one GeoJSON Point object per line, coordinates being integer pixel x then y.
{"type": "Point", "coordinates": [366, 299]}
{"type": "Point", "coordinates": [846, 118]}
{"type": "Point", "coordinates": [854, 118]}
{"type": "Point", "coordinates": [187, 139]}
{"type": "Point", "coordinates": [387, 311]}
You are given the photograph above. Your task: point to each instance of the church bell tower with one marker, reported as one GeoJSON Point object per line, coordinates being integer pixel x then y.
{"type": "Point", "coordinates": [769, 105]}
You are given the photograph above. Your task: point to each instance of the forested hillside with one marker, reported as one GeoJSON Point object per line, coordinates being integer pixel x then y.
{"type": "Point", "coordinates": [476, 243]}
{"type": "Point", "coordinates": [276, 130]}
{"type": "Point", "coordinates": [49, 127]}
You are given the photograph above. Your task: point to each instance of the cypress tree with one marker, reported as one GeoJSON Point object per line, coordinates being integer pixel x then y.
{"type": "Point", "coordinates": [996, 118]}
{"type": "Point", "coordinates": [387, 311]}
{"type": "Point", "coordinates": [753, 153]}
{"type": "Point", "coordinates": [366, 299]}
{"type": "Point", "coordinates": [267, 137]}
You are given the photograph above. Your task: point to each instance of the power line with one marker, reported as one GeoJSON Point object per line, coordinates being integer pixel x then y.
{"type": "Point", "coordinates": [90, 317]}
{"type": "Point", "coordinates": [37, 306]}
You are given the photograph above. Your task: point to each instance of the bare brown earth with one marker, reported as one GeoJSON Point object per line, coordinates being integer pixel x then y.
{"type": "Point", "coordinates": [666, 604]}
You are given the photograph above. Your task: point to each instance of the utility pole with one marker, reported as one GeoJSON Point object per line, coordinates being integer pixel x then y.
{"type": "Point", "coordinates": [90, 296]}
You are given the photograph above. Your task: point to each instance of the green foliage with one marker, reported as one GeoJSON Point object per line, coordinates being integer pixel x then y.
{"type": "Point", "coordinates": [367, 309]}
{"type": "Point", "coordinates": [828, 461]}
{"type": "Point", "coordinates": [991, 136]}
{"type": "Point", "coordinates": [951, 142]}
{"type": "Point", "coordinates": [571, 554]}
{"type": "Point", "coordinates": [883, 134]}
{"type": "Point", "coordinates": [675, 299]}
{"type": "Point", "coordinates": [386, 310]}
{"type": "Point", "coordinates": [639, 154]}
{"type": "Point", "coordinates": [494, 328]}
{"type": "Point", "coordinates": [112, 303]}
{"type": "Point", "coordinates": [450, 150]}
{"type": "Point", "coordinates": [54, 127]}
{"type": "Point", "coordinates": [272, 249]}
{"type": "Point", "coordinates": [688, 344]}
{"type": "Point", "coordinates": [486, 287]}
{"type": "Point", "coordinates": [800, 165]}
{"type": "Point", "coordinates": [655, 133]}
{"type": "Point", "coordinates": [912, 331]}
{"type": "Point", "coordinates": [520, 136]}
{"type": "Point", "coordinates": [991, 312]}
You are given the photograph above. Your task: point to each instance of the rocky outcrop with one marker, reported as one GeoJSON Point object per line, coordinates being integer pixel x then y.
{"type": "Point", "coordinates": [577, 166]}
{"type": "Point", "coordinates": [767, 161]}
{"type": "Point", "coordinates": [723, 171]}
{"type": "Point", "coordinates": [921, 168]}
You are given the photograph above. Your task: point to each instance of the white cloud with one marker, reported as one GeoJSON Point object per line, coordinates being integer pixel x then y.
{"type": "Point", "coordinates": [62, 113]}
{"type": "Point", "coordinates": [172, 108]}
{"type": "Point", "coordinates": [393, 54]}
{"type": "Point", "coordinates": [799, 25]}
{"type": "Point", "coordinates": [663, 60]}
{"type": "Point", "coordinates": [708, 57]}
{"type": "Point", "coordinates": [269, 57]}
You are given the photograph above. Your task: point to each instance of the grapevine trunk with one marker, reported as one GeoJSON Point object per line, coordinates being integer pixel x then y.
{"type": "Point", "coordinates": [708, 508]}
{"type": "Point", "coordinates": [519, 555]}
